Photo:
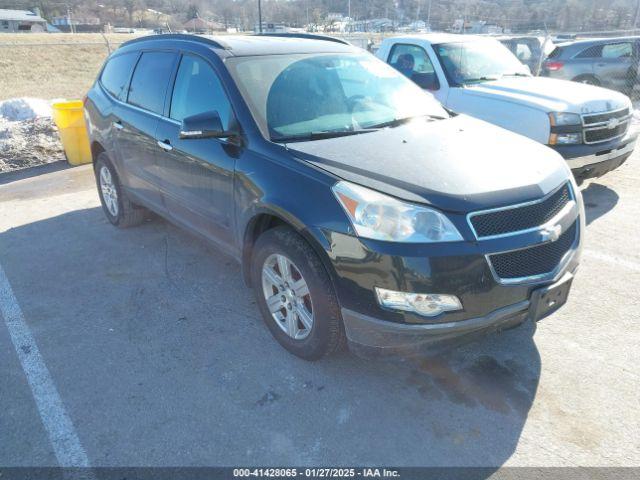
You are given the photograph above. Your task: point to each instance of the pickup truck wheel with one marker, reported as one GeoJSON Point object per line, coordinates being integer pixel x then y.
{"type": "Point", "coordinates": [120, 211]}
{"type": "Point", "coordinates": [295, 295]}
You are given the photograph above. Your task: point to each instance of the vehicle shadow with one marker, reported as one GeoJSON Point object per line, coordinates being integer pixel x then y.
{"type": "Point", "coordinates": [161, 358]}
{"type": "Point", "coordinates": [598, 200]}
{"type": "Point", "coordinates": [8, 177]}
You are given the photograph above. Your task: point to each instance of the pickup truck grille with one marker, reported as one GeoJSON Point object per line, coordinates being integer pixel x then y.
{"type": "Point", "coordinates": [533, 261]}
{"type": "Point", "coordinates": [518, 218]}
{"type": "Point", "coordinates": [602, 127]}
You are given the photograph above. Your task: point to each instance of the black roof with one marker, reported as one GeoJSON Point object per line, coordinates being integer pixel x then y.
{"type": "Point", "coordinates": [261, 44]}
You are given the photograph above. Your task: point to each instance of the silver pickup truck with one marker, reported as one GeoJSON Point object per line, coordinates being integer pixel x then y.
{"type": "Point", "coordinates": [589, 126]}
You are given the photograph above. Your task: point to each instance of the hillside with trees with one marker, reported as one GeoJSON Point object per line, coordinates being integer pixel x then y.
{"type": "Point", "coordinates": [514, 15]}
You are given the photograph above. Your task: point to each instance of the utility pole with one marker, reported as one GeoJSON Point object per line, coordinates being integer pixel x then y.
{"type": "Point", "coordinates": [429, 16]}
{"type": "Point", "coordinates": [635, 20]}
{"type": "Point", "coordinates": [69, 19]}
{"type": "Point", "coordinates": [260, 15]}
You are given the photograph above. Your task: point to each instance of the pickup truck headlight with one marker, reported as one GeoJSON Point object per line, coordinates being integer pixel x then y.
{"type": "Point", "coordinates": [562, 119]}
{"type": "Point", "coordinates": [566, 128]}
{"type": "Point", "coordinates": [381, 217]}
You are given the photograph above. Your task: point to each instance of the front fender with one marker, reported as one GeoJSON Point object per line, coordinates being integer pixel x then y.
{"type": "Point", "coordinates": [292, 191]}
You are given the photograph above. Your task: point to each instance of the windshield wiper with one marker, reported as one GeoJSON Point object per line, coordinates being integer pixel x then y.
{"type": "Point", "coordinates": [321, 135]}
{"type": "Point", "coordinates": [480, 79]}
{"type": "Point", "coordinates": [399, 121]}
{"type": "Point", "coordinates": [516, 74]}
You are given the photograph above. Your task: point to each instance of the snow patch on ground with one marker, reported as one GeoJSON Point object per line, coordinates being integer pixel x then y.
{"type": "Point", "coordinates": [18, 109]}
{"type": "Point", "coordinates": [28, 136]}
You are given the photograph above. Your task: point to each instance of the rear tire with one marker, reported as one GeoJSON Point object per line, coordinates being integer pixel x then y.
{"type": "Point", "coordinates": [117, 207]}
{"type": "Point", "coordinates": [280, 290]}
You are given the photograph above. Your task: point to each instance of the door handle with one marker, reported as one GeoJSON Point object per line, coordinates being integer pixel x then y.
{"type": "Point", "coordinates": [117, 125]}
{"type": "Point", "coordinates": [165, 145]}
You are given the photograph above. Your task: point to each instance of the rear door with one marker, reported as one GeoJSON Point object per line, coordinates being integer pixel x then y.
{"type": "Point", "coordinates": [197, 174]}
{"type": "Point", "coordinates": [114, 80]}
{"type": "Point", "coordinates": [137, 123]}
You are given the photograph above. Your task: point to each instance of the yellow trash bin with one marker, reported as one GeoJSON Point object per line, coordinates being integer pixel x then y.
{"type": "Point", "coordinates": [69, 119]}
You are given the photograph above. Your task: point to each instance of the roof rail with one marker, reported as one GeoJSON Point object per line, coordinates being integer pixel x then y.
{"type": "Point", "coordinates": [309, 36]}
{"type": "Point", "coordinates": [180, 36]}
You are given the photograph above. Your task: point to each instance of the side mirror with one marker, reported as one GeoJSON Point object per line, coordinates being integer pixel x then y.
{"type": "Point", "coordinates": [203, 125]}
{"type": "Point", "coordinates": [427, 81]}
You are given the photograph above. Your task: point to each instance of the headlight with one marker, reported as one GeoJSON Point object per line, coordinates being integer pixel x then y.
{"type": "Point", "coordinates": [560, 119]}
{"type": "Point", "coordinates": [380, 217]}
{"type": "Point", "coordinates": [565, 138]}
{"type": "Point", "coordinates": [566, 128]}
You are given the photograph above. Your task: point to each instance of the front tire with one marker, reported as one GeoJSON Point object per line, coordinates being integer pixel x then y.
{"type": "Point", "coordinates": [117, 207]}
{"type": "Point", "coordinates": [295, 295]}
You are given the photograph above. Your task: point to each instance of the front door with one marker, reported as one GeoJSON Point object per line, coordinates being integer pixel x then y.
{"type": "Point", "coordinates": [414, 62]}
{"type": "Point", "coordinates": [197, 174]}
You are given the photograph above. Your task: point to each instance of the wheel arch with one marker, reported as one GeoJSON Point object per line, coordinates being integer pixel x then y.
{"type": "Point", "coordinates": [268, 218]}
{"type": "Point", "coordinates": [591, 76]}
{"type": "Point", "coordinates": [96, 149]}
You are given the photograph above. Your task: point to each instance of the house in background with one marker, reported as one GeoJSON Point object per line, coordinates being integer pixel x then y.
{"type": "Point", "coordinates": [77, 24]}
{"type": "Point", "coordinates": [271, 27]}
{"type": "Point", "coordinates": [17, 21]}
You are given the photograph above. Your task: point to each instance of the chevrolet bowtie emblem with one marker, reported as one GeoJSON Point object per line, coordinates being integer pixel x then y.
{"type": "Point", "coordinates": [613, 123]}
{"type": "Point", "coordinates": [551, 234]}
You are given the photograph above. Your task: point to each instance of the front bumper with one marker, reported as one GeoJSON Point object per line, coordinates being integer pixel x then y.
{"type": "Point", "coordinates": [371, 336]}
{"type": "Point", "coordinates": [591, 161]}
{"type": "Point", "coordinates": [462, 269]}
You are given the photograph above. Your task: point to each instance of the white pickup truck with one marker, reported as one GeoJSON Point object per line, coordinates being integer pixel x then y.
{"type": "Point", "coordinates": [591, 127]}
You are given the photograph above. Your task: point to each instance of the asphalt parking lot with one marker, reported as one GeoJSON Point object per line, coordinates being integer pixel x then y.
{"type": "Point", "coordinates": [158, 356]}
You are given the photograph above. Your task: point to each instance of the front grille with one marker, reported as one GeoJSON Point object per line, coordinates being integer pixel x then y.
{"type": "Point", "coordinates": [538, 260]}
{"type": "Point", "coordinates": [597, 128]}
{"type": "Point", "coordinates": [520, 218]}
{"type": "Point", "coordinates": [604, 117]}
{"type": "Point", "coordinates": [604, 134]}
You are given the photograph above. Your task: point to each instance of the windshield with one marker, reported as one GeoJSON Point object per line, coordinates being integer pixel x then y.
{"type": "Point", "coordinates": [311, 96]}
{"type": "Point", "coordinates": [472, 62]}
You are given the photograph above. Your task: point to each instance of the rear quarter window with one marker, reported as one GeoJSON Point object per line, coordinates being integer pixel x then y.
{"type": "Point", "coordinates": [116, 73]}
{"type": "Point", "coordinates": [555, 53]}
{"type": "Point", "coordinates": [150, 80]}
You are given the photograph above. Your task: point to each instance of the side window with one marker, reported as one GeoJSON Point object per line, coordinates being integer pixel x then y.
{"type": "Point", "coordinates": [617, 50]}
{"type": "Point", "coordinates": [591, 52]}
{"type": "Point", "coordinates": [150, 80]}
{"type": "Point", "coordinates": [198, 90]}
{"type": "Point", "coordinates": [413, 62]}
{"type": "Point", "coordinates": [116, 73]}
{"type": "Point", "coordinates": [523, 52]}
{"type": "Point", "coordinates": [401, 52]}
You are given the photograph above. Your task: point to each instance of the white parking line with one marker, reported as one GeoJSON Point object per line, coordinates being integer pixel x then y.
{"type": "Point", "coordinates": [59, 427]}
{"type": "Point", "coordinates": [605, 257]}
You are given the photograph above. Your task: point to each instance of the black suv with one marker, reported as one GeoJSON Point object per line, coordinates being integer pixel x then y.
{"type": "Point", "coordinates": [359, 208]}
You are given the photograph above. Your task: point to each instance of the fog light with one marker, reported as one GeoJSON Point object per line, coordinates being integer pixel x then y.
{"type": "Point", "coordinates": [427, 304]}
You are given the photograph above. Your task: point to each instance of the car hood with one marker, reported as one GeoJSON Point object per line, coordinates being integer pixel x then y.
{"type": "Point", "coordinates": [550, 94]}
{"type": "Point", "coordinates": [460, 164]}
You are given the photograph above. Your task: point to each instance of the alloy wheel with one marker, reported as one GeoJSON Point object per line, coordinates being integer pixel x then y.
{"type": "Point", "coordinates": [287, 295]}
{"type": "Point", "coordinates": [109, 192]}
